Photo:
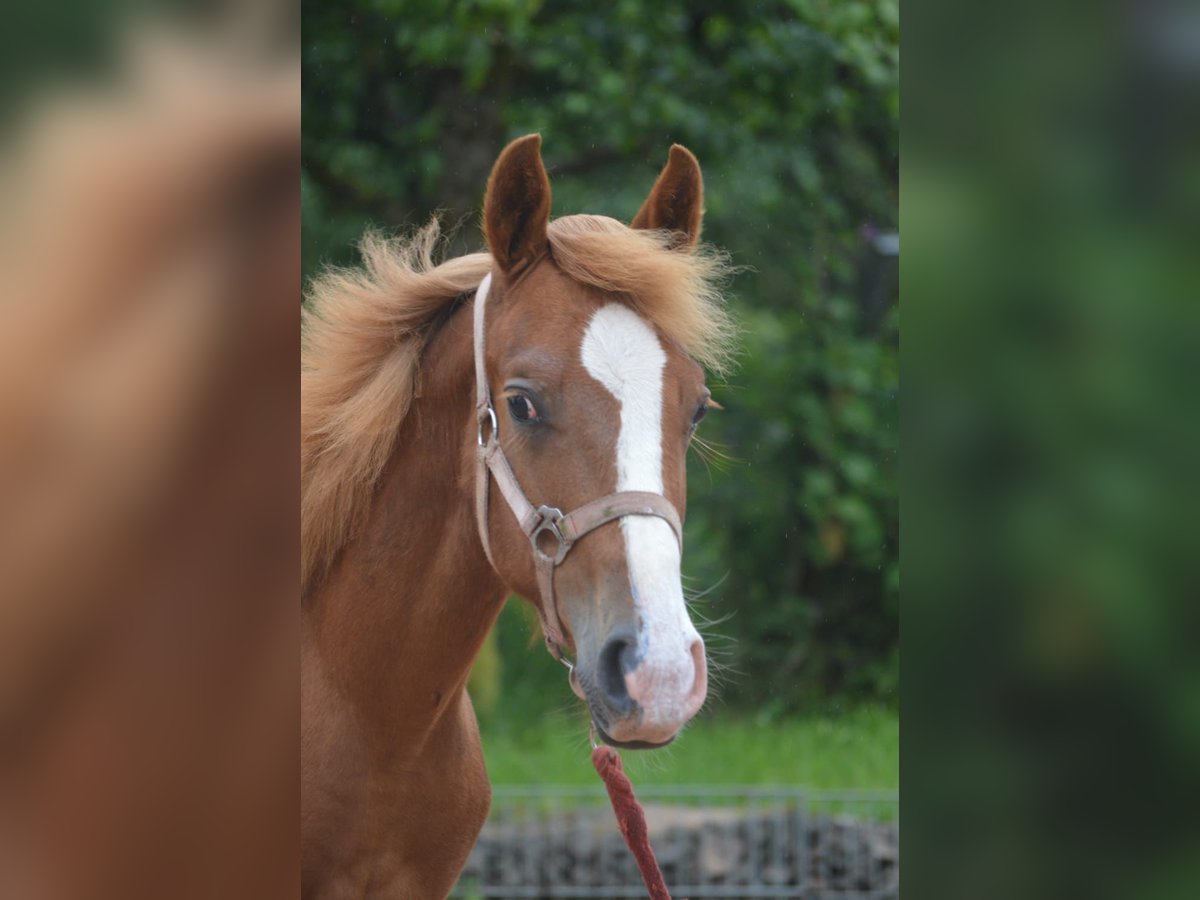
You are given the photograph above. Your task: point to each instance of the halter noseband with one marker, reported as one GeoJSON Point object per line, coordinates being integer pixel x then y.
{"type": "Point", "coordinates": [542, 523]}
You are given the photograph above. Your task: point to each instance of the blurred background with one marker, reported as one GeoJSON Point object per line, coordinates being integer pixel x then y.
{"type": "Point", "coordinates": [792, 531]}
{"type": "Point", "coordinates": [1052, 686]}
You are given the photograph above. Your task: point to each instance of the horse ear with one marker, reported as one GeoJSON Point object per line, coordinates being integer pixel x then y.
{"type": "Point", "coordinates": [516, 209]}
{"type": "Point", "coordinates": [676, 202]}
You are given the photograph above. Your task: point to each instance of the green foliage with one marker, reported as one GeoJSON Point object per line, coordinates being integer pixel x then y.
{"type": "Point", "coordinates": [802, 524]}
{"type": "Point", "coordinates": [792, 107]}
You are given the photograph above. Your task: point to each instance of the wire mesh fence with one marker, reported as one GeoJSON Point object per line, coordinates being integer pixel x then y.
{"type": "Point", "coordinates": [711, 841]}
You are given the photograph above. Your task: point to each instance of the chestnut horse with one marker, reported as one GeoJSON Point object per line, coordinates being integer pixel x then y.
{"type": "Point", "coordinates": [588, 346]}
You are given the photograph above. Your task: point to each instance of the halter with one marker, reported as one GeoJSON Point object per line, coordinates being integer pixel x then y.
{"type": "Point", "coordinates": [542, 524]}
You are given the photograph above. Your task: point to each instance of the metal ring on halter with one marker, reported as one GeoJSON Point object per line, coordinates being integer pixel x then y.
{"type": "Point", "coordinates": [549, 517]}
{"type": "Point", "coordinates": [492, 415]}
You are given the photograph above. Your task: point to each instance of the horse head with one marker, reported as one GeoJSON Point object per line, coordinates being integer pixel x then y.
{"type": "Point", "coordinates": [593, 394]}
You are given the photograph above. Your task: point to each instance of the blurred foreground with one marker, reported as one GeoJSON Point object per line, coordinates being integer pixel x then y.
{"type": "Point", "coordinates": [148, 416]}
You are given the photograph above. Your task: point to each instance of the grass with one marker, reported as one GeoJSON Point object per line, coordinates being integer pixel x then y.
{"type": "Point", "coordinates": [856, 749]}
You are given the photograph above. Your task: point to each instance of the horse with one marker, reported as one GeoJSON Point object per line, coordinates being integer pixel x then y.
{"type": "Point", "coordinates": [440, 440]}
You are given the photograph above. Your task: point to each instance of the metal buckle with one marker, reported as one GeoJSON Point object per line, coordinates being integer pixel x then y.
{"type": "Point", "coordinates": [557, 653]}
{"type": "Point", "coordinates": [491, 414]}
{"type": "Point", "coordinates": [548, 519]}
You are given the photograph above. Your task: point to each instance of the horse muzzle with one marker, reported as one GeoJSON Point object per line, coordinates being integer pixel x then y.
{"type": "Point", "coordinates": [641, 701]}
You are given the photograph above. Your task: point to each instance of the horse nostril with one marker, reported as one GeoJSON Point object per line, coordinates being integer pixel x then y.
{"type": "Point", "coordinates": [616, 659]}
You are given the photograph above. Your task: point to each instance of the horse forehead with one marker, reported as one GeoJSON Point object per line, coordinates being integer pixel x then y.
{"type": "Point", "coordinates": [554, 319]}
{"type": "Point", "coordinates": [545, 315]}
{"type": "Point", "coordinates": [621, 350]}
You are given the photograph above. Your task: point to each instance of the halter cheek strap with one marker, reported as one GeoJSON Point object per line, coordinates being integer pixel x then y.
{"type": "Point", "coordinates": [551, 533]}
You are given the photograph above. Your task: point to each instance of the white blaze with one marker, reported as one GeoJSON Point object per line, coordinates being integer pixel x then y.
{"type": "Point", "coordinates": [622, 352]}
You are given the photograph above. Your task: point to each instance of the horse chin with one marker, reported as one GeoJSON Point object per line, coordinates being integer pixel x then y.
{"type": "Point", "coordinates": [597, 717]}
{"type": "Point", "coordinates": [629, 745]}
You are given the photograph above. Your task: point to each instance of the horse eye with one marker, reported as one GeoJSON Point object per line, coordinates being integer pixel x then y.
{"type": "Point", "coordinates": [701, 412]}
{"type": "Point", "coordinates": [521, 408]}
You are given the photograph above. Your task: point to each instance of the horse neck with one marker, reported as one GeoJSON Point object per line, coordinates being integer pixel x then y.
{"type": "Point", "coordinates": [403, 613]}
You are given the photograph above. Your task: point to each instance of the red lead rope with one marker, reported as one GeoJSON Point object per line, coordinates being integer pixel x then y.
{"type": "Point", "coordinates": [631, 819]}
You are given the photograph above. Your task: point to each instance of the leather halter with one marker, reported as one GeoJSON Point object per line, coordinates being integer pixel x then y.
{"type": "Point", "coordinates": [542, 524]}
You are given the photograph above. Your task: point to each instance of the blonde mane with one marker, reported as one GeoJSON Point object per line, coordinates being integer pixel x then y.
{"type": "Point", "coordinates": [364, 331]}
